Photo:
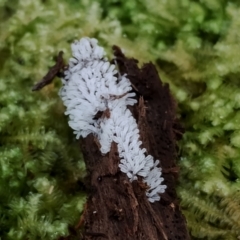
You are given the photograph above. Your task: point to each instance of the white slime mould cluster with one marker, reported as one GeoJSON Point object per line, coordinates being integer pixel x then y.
{"type": "Point", "coordinates": [90, 85]}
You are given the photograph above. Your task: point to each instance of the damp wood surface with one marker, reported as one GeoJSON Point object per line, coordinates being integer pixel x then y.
{"type": "Point", "coordinates": [117, 209]}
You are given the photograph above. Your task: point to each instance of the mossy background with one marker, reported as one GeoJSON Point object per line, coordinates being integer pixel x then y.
{"type": "Point", "coordinates": [195, 45]}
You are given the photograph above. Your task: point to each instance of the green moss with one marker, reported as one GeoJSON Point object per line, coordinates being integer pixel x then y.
{"type": "Point", "coordinates": [41, 168]}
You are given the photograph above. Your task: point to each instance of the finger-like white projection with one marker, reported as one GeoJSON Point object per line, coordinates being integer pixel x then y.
{"type": "Point", "coordinates": [90, 86]}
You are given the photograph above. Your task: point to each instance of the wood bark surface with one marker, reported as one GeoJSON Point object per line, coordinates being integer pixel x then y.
{"type": "Point", "coordinates": [118, 209]}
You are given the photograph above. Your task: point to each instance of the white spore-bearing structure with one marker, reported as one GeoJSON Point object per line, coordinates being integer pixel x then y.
{"type": "Point", "coordinates": [90, 86]}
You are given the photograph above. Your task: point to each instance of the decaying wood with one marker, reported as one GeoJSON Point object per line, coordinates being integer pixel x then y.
{"type": "Point", "coordinates": [54, 71]}
{"type": "Point", "coordinates": [116, 208]}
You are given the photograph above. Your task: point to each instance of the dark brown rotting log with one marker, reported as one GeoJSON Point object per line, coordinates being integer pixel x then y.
{"type": "Point", "coordinates": [117, 209]}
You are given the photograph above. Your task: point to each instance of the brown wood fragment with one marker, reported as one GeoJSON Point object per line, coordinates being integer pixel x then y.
{"type": "Point", "coordinates": [51, 74]}
{"type": "Point", "coordinates": [142, 124]}
{"type": "Point", "coordinates": [106, 113]}
{"type": "Point", "coordinates": [97, 142]}
{"type": "Point", "coordinates": [116, 208]}
{"type": "Point", "coordinates": [113, 155]}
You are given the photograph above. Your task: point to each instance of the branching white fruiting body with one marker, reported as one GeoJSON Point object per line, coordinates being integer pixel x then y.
{"type": "Point", "coordinates": [90, 85]}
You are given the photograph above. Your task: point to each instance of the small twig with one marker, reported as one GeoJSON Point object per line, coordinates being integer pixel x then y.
{"type": "Point", "coordinates": [81, 221]}
{"type": "Point", "coordinates": [118, 96]}
{"type": "Point", "coordinates": [51, 74]}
